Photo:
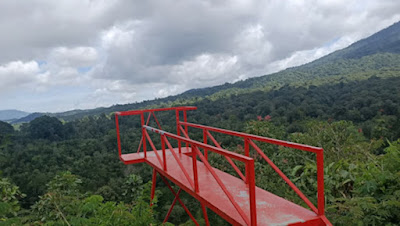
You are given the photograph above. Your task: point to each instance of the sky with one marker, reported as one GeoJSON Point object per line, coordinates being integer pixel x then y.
{"type": "Point", "coordinates": [62, 55]}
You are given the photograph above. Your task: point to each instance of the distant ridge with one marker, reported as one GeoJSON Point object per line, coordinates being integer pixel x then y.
{"type": "Point", "coordinates": [384, 41]}
{"type": "Point", "coordinates": [28, 118]}
{"type": "Point", "coordinates": [8, 115]}
{"type": "Point", "coordinates": [377, 55]}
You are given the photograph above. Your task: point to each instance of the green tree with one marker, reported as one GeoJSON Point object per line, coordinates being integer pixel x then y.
{"type": "Point", "coordinates": [46, 127]}
{"type": "Point", "coordinates": [9, 202]}
{"type": "Point", "coordinates": [64, 204]}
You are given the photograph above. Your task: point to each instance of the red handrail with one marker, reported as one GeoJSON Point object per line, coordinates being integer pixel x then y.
{"type": "Point", "coordinates": [137, 112]}
{"type": "Point", "coordinates": [195, 144]}
{"type": "Point", "coordinates": [219, 146]}
{"type": "Point", "coordinates": [255, 137]}
{"type": "Point", "coordinates": [248, 138]}
{"type": "Point", "coordinates": [199, 144]}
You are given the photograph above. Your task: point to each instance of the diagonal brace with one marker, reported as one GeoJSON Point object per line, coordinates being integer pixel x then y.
{"type": "Point", "coordinates": [177, 199]}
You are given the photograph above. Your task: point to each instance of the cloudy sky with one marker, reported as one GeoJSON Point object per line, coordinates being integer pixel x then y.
{"type": "Point", "coordinates": [65, 54]}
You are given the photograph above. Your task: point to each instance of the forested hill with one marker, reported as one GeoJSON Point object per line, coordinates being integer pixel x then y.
{"type": "Point", "coordinates": [384, 41]}
{"type": "Point", "coordinates": [68, 172]}
{"type": "Point", "coordinates": [377, 55]}
{"type": "Point", "coordinates": [357, 123]}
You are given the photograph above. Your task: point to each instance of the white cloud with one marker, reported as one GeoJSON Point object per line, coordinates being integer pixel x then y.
{"type": "Point", "coordinates": [120, 51]}
{"type": "Point", "coordinates": [17, 74]}
{"type": "Point", "coordinates": [74, 57]}
{"type": "Point", "coordinates": [253, 46]}
{"type": "Point", "coordinates": [204, 70]}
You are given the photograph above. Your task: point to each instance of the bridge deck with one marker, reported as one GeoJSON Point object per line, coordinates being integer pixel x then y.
{"type": "Point", "coordinates": [271, 209]}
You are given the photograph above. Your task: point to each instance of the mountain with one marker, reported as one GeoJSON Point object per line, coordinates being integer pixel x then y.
{"type": "Point", "coordinates": [7, 115]}
{"type": "Point", "coordinates": [374, 56]}
{"type": "Point", "coordinates": [384, 41]}
{"type": "Point", "coordinates": [28, 118]}
{"type": "Point", "coordinates": [347, 104]}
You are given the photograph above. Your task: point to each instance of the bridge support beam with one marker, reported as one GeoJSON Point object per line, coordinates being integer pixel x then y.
{"type": "Point", "coordinates": [176, 194]}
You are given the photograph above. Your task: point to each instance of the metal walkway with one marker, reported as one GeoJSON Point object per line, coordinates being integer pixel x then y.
{"type": "Point", "coordinates": [236, 199]}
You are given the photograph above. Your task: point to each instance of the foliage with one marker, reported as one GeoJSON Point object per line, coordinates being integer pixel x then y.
{"type": "Point", "coordinates": [376, 194]}
{"type": "Point", "coordinates": [6, 128]}
{"type": "Point", "coordinates": [360, 187]}
{"type": "Point", "coordinates": [45, 127]}
{"type": "Point", "coordinates": [64, 204]}
{"type": "Point", "coordinates": [9, 202]}
{"type": "Point", "coordinates": [348, 103]}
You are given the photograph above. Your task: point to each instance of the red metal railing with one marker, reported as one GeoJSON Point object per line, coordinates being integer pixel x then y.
{"type": "Point", "coordinates": [249, 162]}
{"type": "Point", "coordinates": [150, 113]}
{"type": "Point", "coordinates": [248, 141]}
{"type": "Point", "coordinates": [248, 177]}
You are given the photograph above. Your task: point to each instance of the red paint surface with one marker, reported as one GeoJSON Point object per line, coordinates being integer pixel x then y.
{"type": "Point", "coordinates": [271, 209]}
{"type": "Point", "coordinates": [237, 200]}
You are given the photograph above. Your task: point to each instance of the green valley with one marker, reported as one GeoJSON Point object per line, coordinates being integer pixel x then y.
{"type": "Point", "coordinates": [63, 168]}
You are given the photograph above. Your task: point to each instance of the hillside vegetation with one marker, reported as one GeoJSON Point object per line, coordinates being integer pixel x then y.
{"type": "Point", "coordinates": [65, 170]}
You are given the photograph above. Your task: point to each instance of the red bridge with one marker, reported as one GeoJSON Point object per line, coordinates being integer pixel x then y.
{"type": "Point", "coordinates": [236, 199]}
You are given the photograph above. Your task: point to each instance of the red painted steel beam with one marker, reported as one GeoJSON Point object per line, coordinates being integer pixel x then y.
{"type": "Point", "coordinates": [219, 146]}
{"type": "Point", "coordinates": [185, 120]}
{"type": "Point", "coordinates": [251, 178]}
{"type": "Point", "coordinates": [227, 158]}
{"type": "Point", "coordinates": [221, 184]}
{"type": "Point", "coordinates": [155, 118]}
{"type": "Point", "coordinates": [206, 142]}
{"type": "Point", "coordinates": [178, 161]}
{"type": "Point", "coordinates": [284, 177]}
{"type": "Point", "coordinates": [172, 205]}
{"type": "Point", "coordinates": [137, 112]}
{"type": "Point", "coordinates": [153, 147]}
{"type": "Point", "coordinates": [179, 200]}
{"type": "Point", "coordinates": [246, 153]}
{"type": "Point", "coordinates": [178, 131]}
{"type": "Point", "coordinates": [255, 137]}
{"type": "Point", "coordinates": [143, 136]}
{"type": "Point", "coordinates": [204, 208]}
{"type": "Point", "coordinates": [163, 153]}
{"type": "Point", "coordinates": [195, 173]}
{"type": "Point", "coordinates": [201, 145]}
{"type": "Point", "coordinates": [320, 183]}
{"type": "Point", "coordinates": [326, 221]}
{"type": "Point", "coordinates": [141, 140]}
{"type": "Point", "coordinates": [194, 194]}
{"type": "Point", "coordinates": [205, 162]}
{"type": "Point", "coordinates": [148, 119]}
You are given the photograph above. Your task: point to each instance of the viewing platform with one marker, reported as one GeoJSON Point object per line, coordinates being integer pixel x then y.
{"type": "Point", "coordinates": [236, 199]}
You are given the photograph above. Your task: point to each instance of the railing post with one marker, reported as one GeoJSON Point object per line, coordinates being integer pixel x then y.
{"type": "Point", "coordinates": [186, 127]}
{"type": "Point", "coordinates": [178, 131]}
{"type": "Point", "coordinates": [252, 192]}
{"type": "Point", "coordinates": [118, 136]}
{"type": "Point", "coordinates": [246, 153]}
{"type": "Point", "coordinates": [205, 141]}
{"type": "Point", "coordinates": [320, 182]}
{"type": "Point", "coordinates": [163, 153]}
{"type": "Point", "coordinates": [143, 135]}
{"type": "Point", "coordinates": [195, 175]}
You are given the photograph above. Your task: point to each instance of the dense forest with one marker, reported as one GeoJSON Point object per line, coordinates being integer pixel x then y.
{"type": "Point", "coordinates": [69, 172]}
{"type": "Point", "coordinates": [63, 169]}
